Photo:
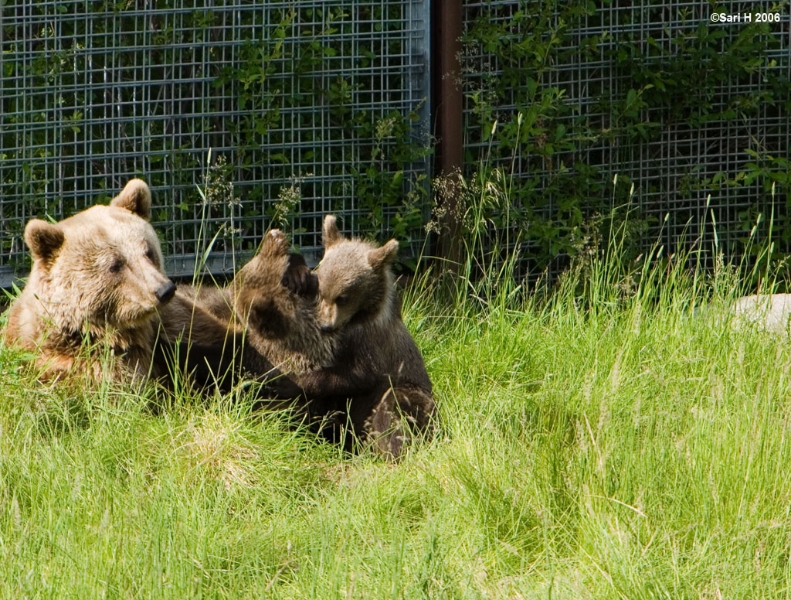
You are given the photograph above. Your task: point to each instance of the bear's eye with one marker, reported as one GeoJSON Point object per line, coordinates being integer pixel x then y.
{"type": "Point", "coordinates": [116, 265]}
{"type": "Point", "coordinates": [151, 255]}
{"type": "Point", "coordinates": [341, 300]}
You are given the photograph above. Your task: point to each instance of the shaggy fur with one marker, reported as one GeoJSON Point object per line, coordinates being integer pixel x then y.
{"type": "Point", "coordinates": [95, 287]}
{"type": "Point", "coordinates": [261, 326]}
{"type": "Point", "coordinates": [205, 348]}
{"type": "Point", "coordinates": [280, 321]}
{"type": "Point", "coordinates": [347, 348]}
{"type": "Point", "coordinates": [376, 367]}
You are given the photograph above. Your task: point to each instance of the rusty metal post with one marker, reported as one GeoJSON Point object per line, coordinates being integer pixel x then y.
{"type": "Point", "coordinates": [448, 107]}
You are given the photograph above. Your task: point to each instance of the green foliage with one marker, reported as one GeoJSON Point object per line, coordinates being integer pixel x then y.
{"type": "Point", "coordinates": [291, 97]}
{"type": "Point", "coordinates": [562, 95]}
{"type": "Point", "coordinates": [607, 443]}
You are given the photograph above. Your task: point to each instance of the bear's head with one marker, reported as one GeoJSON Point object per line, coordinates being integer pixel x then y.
{"type": "Point", "coordinates": [101, 267]}
{"type": "Point", "coordinates": [355, 279]}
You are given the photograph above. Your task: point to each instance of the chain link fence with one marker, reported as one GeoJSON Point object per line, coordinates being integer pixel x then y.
{"type": "Point", "coordinates": [243, 116]}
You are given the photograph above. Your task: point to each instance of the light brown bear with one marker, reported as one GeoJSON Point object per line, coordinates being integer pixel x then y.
{"type": "Point", "coordinates": [94, 290]}
{"type": "Point", "coordinates": [355, 359]}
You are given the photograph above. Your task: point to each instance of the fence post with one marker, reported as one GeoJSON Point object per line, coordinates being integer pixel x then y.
{"type": "Point", "coordinates": [448, 111]}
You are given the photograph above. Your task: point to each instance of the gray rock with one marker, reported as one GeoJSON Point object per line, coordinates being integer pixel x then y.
{"type": "Point", "coordinates": [768, 311]}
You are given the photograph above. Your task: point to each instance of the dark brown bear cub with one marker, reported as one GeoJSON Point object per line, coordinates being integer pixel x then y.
{"type": "Point", "coordinates": [268, 325]}
{"type": "Point", "coordinates": [280, 317]}
{"type": "Point", "coordinates": [376, 365]}
{"type": "Point", "coordinates": [95, 287]}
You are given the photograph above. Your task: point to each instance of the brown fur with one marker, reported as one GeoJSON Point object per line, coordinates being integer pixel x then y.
{"type": "Point", "coordinates": [196, 341]}
{"type": "Point", "coordinates": [348, 349]}
{"type": "Point", "coordinates": [95, 287]}
{"type": "Point", "coordinates": [280, 323]}
{"type": "Point", "coordinates": [377, 365]}
{"type": "Point", "coordinates": [256, 326]}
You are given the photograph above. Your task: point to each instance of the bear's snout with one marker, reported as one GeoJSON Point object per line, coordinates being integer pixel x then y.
{"type": "Point", "coordinates": [165, 292]}
{"type": "Point", "coordinates": [327, 316]}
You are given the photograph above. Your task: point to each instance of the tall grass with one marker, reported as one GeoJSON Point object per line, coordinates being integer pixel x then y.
{"type": "Point", "coordinates": [600, 441]}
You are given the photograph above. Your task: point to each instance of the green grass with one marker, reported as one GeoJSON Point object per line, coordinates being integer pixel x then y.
{"type": "Point", "coordinates": [599, 444]}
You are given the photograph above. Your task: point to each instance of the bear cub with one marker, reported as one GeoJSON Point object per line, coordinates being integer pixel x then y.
{"type": "Point", "coordinates": [268, 325]}
{"type": "Point", "coordinates": [274, 299]}
{"type": "Point", "coordinates": [96, 286]}
{"type": "Point", "coordinates": [377, 370]}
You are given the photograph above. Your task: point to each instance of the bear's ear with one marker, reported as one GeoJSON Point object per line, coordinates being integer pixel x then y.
{"type": "Point", "coordinates": [136, 198]}
{"type": "Point", "coordinates": [44, 239]}
{"type": "Point", "coordinates": [330, 234]}
{"type": "Point", "coordinates": [380, 257]}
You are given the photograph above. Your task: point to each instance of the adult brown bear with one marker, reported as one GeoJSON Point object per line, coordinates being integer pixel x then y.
{"type": "Point", "coordinates": [92, 296]}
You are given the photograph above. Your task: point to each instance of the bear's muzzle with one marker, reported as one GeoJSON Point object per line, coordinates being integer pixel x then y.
{"type": "Point", "coordinates": [165, 292]}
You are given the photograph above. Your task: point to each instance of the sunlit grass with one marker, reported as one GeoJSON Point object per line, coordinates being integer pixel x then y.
{"type": "Point", "coordinates": [599, 442]}
{"type": "Point", "coordinates": [611, 437]}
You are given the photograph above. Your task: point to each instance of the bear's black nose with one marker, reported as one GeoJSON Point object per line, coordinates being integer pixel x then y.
{"type": "Point", "coordinates": [164, 292]}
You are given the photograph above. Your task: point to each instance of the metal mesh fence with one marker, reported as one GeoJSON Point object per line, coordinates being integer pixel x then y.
{"type": "Point", "coordinates": [240, 115]}
{"type": "Point", "coordinates": [694, 114]}
{"type": "Point", "coordinates": [316, 107]}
